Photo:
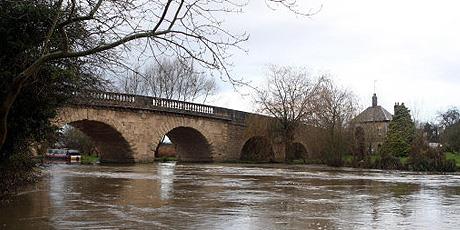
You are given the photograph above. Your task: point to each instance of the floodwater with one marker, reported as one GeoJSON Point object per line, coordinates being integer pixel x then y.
{"type": "Point", "coordinates": [233, 196]}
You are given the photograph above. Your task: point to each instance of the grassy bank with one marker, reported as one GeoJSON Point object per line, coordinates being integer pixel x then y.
{"type": "Point", "coordinates": [165, 159]}
{"type": "Point", "coordinates": [455, 157]}
{"type": "Point", "coordinates": [89, 159]}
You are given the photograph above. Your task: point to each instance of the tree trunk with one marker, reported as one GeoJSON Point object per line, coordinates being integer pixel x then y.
{"type": "Point", "coordinates": [288, 141]}
{"type": "Point", "coordinates": [158, 146]}
{"type": "Point", "coordinates": [15, 89]}
{"type": "Point", "coordinates": [3, 125]}
{"type": "Point", "coordinates": [12, 94]}
{"type": "Point", "coordinates": [6, 105]}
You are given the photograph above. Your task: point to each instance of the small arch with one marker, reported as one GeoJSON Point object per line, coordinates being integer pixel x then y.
{"type": "Point", "coordinates": [258, 149]}
{"type": "Point", "coordinates": [190, 144]}
{"type": "Point", "coordinates": [296, 151]}
{"type": "Point", "coordinates": [111, 144]}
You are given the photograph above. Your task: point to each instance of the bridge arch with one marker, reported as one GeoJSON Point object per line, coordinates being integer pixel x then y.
{"type": "Point", "coordinates": [111, 144]}
{"type": "Point", "coordinates": [297, 151]}
{"type": "Point", "coordinates": [191, 145]}
{"type": "Point", "coordinates": [258, 149]}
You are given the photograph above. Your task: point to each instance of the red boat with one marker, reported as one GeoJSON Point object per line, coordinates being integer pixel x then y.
{"type": "Point", "coordinates": [63, 154]}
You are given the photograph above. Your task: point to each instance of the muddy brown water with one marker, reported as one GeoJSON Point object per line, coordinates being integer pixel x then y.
{"type": "Point", "coordinates": [233, 196]}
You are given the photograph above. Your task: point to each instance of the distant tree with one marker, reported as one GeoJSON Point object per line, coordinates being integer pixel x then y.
{"type": "Point", "coordinates": [450, 121]}
{"type": "Point", "coordinates": [451, 137]}
{"type": "Point", "coordinates": [334, 109]}
{"type": "Point", "coordinates": [431, 130]}
{"type": "Point", "coordinates": [73, 138]}
{"type": "Point", "coordinates": [171, 79]}
{"type": "Point", "coordinates": [401, 133]}
{"type": "Point", "coordinates": [449, 118]}
{"type": "Point", "coordinates": [132, 83]}
{"type": "Point", "coordinates": [289, 96]}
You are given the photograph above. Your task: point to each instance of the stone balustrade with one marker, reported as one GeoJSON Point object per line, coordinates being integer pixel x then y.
{"type": "Point", "coordinates": [121, 100]}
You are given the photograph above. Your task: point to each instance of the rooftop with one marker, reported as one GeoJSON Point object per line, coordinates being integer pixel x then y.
{"type": "Point", "coordinates": [374, 113]}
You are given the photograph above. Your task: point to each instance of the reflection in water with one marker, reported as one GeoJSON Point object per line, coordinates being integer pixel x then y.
{"type": "Point", "coordinates": [166, 174]}
{"type": "Point", "coordinates": [211, 196]}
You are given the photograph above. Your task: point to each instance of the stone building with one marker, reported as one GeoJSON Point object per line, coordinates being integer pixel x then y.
{"type": "Point", "coordinates": [372, 123]}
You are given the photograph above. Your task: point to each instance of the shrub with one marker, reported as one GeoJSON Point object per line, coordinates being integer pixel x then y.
{"type": "Point", "coordinates": [431, 160]}
{"type": "Point", "coordinates": [89, 159]}
{"type": "Point", "coordinates": [17, 170]}
{"type": "Point", "coordinates": [424, 158]}
{"type": "Point", "coordinates": [387, 161]}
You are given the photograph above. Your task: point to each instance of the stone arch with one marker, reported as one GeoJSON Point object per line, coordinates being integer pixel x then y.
{"type": "Point", "coordinates": [111, 144]}
{"type": "Point", "coordinates": [258, 149]}
{"type": "Point", "coordinates": [296, 151]}
{"type": "Point", "coordinates": [191, 145]}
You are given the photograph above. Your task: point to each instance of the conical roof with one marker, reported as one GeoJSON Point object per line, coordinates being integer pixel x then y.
{"type": "Point", "coordinates": [373, 114]}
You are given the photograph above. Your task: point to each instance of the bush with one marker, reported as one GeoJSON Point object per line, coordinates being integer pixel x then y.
{"type": "Point", "coordinates": [455, 157]}
{"type": "Point", "coordinates": [348, 160]}
{"type": "Point", "coordinates": [431, 160]}
{"type": "Point", "coordinates": [166, 159]}
{"type": "Point", "coordinates": [424, 158]}
{"type": "Point", "coordinates": [387, 161]}
{"type": "Point", "coordinates": [16, 171]}
{"type": "Point", "coordinates": [89, 159]}
{"type": "Point", "coordinates": [316, 161]}
{"type": "Point", "coordinates": [334, 162]}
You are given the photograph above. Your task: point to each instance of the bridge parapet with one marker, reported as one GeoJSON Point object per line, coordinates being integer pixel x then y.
{"type": "Point", "coordinates": [130, 101]}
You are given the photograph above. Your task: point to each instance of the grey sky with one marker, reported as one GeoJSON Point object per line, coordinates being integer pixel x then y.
{"type": "Point", "coordinates": [410, 47]}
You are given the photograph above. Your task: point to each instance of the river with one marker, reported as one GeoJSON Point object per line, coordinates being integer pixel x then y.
{"type": "Point", "coordinates": [233, 196]}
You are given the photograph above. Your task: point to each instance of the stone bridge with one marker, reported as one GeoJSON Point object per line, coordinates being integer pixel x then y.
{"type": "Point", "coordinates": [128, 128]}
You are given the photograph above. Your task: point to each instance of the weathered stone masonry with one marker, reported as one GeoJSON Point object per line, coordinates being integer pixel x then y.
{"type": "Point", "coordinates": [127, 128]}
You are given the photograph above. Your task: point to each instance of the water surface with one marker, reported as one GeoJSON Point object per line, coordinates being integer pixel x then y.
{"type": "Point", "coordinates": [232, 196]}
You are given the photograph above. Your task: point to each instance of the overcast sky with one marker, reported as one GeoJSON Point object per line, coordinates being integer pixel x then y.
{"type": "Point", "coordinates": [410, 47]}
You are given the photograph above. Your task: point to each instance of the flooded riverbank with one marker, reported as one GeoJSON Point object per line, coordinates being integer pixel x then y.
{"type": "Point", "coordinates": [234, 196]}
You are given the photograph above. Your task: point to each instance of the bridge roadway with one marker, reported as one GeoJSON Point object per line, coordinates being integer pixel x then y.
{"type": "Point", "coordinates": [128, 128]}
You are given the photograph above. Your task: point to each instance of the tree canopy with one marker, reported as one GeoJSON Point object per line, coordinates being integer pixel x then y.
{"type": "Point", "coordinates": [22, 28]}
{"type": "Point", "coordinates": [450, 121]}
{"type": "Point", "coordinates": [401, 133]}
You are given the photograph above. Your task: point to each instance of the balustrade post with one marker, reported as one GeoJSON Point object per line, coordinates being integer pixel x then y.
{"type": "Point", "coordinates": [141, 101]}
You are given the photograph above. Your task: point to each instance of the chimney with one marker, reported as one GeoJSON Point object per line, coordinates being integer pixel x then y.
{"type": "Point", "coordinates": [374, 100]}
{"type": "Point", "coordinates": [396, 107]}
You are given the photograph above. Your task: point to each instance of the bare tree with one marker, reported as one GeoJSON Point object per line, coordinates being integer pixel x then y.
{"type": "Point", "coordinates": [333, 111]}
{"type": "Point", "coordinates": [187, 28]}
{"type": "Point", "coordinates": [171, 79]}
{"type": "Point", "coordinates": [132, 83]}
{"type": "Point", "coordinates": [289, 96]}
